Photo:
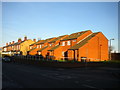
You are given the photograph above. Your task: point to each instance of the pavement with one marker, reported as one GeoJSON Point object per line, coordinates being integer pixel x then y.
{"type": "Point", "coordinates": [16, 75]}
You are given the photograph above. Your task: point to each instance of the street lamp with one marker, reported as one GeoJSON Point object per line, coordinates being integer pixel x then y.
{"type": "Point", "coordinates": [110, 48]}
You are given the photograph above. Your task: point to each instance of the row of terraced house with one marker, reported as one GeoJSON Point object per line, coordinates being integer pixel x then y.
{"type": "Point", "coordinates": [76, 46]}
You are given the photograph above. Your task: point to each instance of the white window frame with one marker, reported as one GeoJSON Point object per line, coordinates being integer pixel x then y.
{"type": "Point", "coordinates": [30, 47]}
{"type": "Point", "coordinates": [63, 43]}
{"type": "Point", "coordinates": [5, 49]}
{"type": "Point", "coordinates": [40, 46]}
{"type": "Point", "coordinates": [37, 46]}
{"type": "Point", "coordinates": [50, 44]}
{"type": "Point", "coordinates": [68, 42]}
{"type": "Point", "coordinates": [39, 53]}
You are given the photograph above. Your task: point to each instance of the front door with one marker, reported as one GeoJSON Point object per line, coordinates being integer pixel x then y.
{"type": "Point", "coordinates": [66, 55]}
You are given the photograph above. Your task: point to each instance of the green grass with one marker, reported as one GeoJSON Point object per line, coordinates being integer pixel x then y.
{"type": "Point", "coordinates": [111, 61]}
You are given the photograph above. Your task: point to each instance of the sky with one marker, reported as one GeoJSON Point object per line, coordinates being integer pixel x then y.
{"type": "Point", "coordinates": [52, 19]}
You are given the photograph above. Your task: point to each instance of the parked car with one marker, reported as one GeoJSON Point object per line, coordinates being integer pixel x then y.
{"type": "Point", "coordinates": [6, 59]}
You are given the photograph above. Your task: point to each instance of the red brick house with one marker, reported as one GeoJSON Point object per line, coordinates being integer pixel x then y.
{"type": "Point", "coordinates": [34, 48]}
{"type": "Point", "coordinates": [39, 47]}
{"type": "Point", "coordinates": [92, 48]}
{"type": "Point", "coordinates": [61, 51]}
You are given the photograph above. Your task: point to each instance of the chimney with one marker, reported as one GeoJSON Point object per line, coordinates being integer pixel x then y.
{"type": "Point", "coordinates": [6, 44]}
{"type": "Point", "coordinates": [9, 43]}
{"type": "Point", "coordinates": [25, 38]}
{"type": "Point", "coordinates": [19, 40]}
{"type": "Point", "coordinates": [34, 40]}
{"type": "Point", "coordinates": [13, 42]}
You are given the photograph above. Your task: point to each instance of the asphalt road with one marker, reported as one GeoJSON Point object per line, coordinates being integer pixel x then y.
{"type": "Point", "coordinates": [28, 76]}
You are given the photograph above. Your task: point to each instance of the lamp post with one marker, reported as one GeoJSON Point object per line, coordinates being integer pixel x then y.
{"type": "Point", "coordinates": [110, 48]}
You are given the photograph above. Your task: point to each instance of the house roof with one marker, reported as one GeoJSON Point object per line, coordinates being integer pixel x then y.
{"type": "Point", "coordinates": [12, 44]}
{"type": "Point", "coordinates": [37, 42]}
{"type": "Point", "coordinates": [32, 48]}
{"type": "Point", "coordinates": [58, 38]}
{"type": "Point", "coordinates": [15, 43]}
{"type": "Point", "coordinates": [53, 48]}
{"type": "Point", "coordinates": [83, 42]}
{"type": "Point", "coordinates": [42, 48]}
{"type": "Point", "coordinates": [74, 35]}
{"type": "Point", "coordinates": [44, 41]}
{"type": "Point", "coordinates": [18, 43]}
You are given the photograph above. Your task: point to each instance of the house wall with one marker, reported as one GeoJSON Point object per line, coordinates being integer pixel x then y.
{"type": "Point", "coordinates": [33, 52]}
{"type": "Point", "coordinates": [24, 47]}
{"type": "Point", "coordinates": [103, 47]}
{"type": "Point", "coordinates": [45, 51]}
{"type": "Point", "coordinates": [71, 52]}
{"type": "Point", "coordinates": [33, 46]}
{"type": "Point", "coordinates": [65, 48]}
{"type": "Point", "coordinates": [58, 53]}
{"type": "Point", "coordinates": [96, 49]}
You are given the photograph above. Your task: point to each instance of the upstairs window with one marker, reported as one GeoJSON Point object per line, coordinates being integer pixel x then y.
{"type": "Point", "coordinates": [5, 49]}
{"type": "Point", "coordinates": [63, 43]}
{"type": "Point", "coordinates": [39, 53]}
{"type": "Point", "coordinates": [74, 40]}
{"type": "Point", "coordinates": [37, 46]}
{"type": "Point", "coordinates": [50, 44]}
{"type": "Point", "coordinates": [40, 46]}
{"type": "Point", "coordinates": [31, 47]}
{"type": "Point", "coordinates": [68, 42]}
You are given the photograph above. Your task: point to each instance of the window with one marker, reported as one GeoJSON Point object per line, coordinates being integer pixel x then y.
{"type": "Point", "coordinates": [40, 46]}
{"type": "Point", "coordinates": [37, 46]}
{"type": "Point", "coordinates": [74, 40]}
{"type": "Point", "coordinates": [63, 43]}
{"type": "Point", "coordinates": [68, 42]}
{"type": "Point", "coordinates": [50, 44]}
{"type": "Point", "coordinates": [5, 49]}
{"type": "Point", "coordinates": [31, 47]}
{"type": "Point", "coordinates": [39, 53]}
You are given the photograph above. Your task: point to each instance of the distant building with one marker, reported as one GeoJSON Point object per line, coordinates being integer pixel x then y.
{"type": "Point", "coordinates": [115, 56]}
{"type": "Point", "coordinates": [20, 47]}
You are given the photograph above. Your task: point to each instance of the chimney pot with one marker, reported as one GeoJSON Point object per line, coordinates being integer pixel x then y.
{"type": "Point", "coordinates": [34, 40]}
{"type": "Point", "coordinates": [19, 40]}
{"type": "Point", "coordinates": [6, 44]}
{"type": "Point", "coordinates": [25, 38]}
{"type": "Point", "coordinates": [9, 43]}
{"type": "Point", "coordinates": [13, 42]}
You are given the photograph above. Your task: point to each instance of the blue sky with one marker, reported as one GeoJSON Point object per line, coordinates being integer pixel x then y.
{"type": "Point", "coordinates": [51, 19]}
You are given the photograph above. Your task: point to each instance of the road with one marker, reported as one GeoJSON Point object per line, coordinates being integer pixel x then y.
{"type": "Point", "coordinates": [16, 75]}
